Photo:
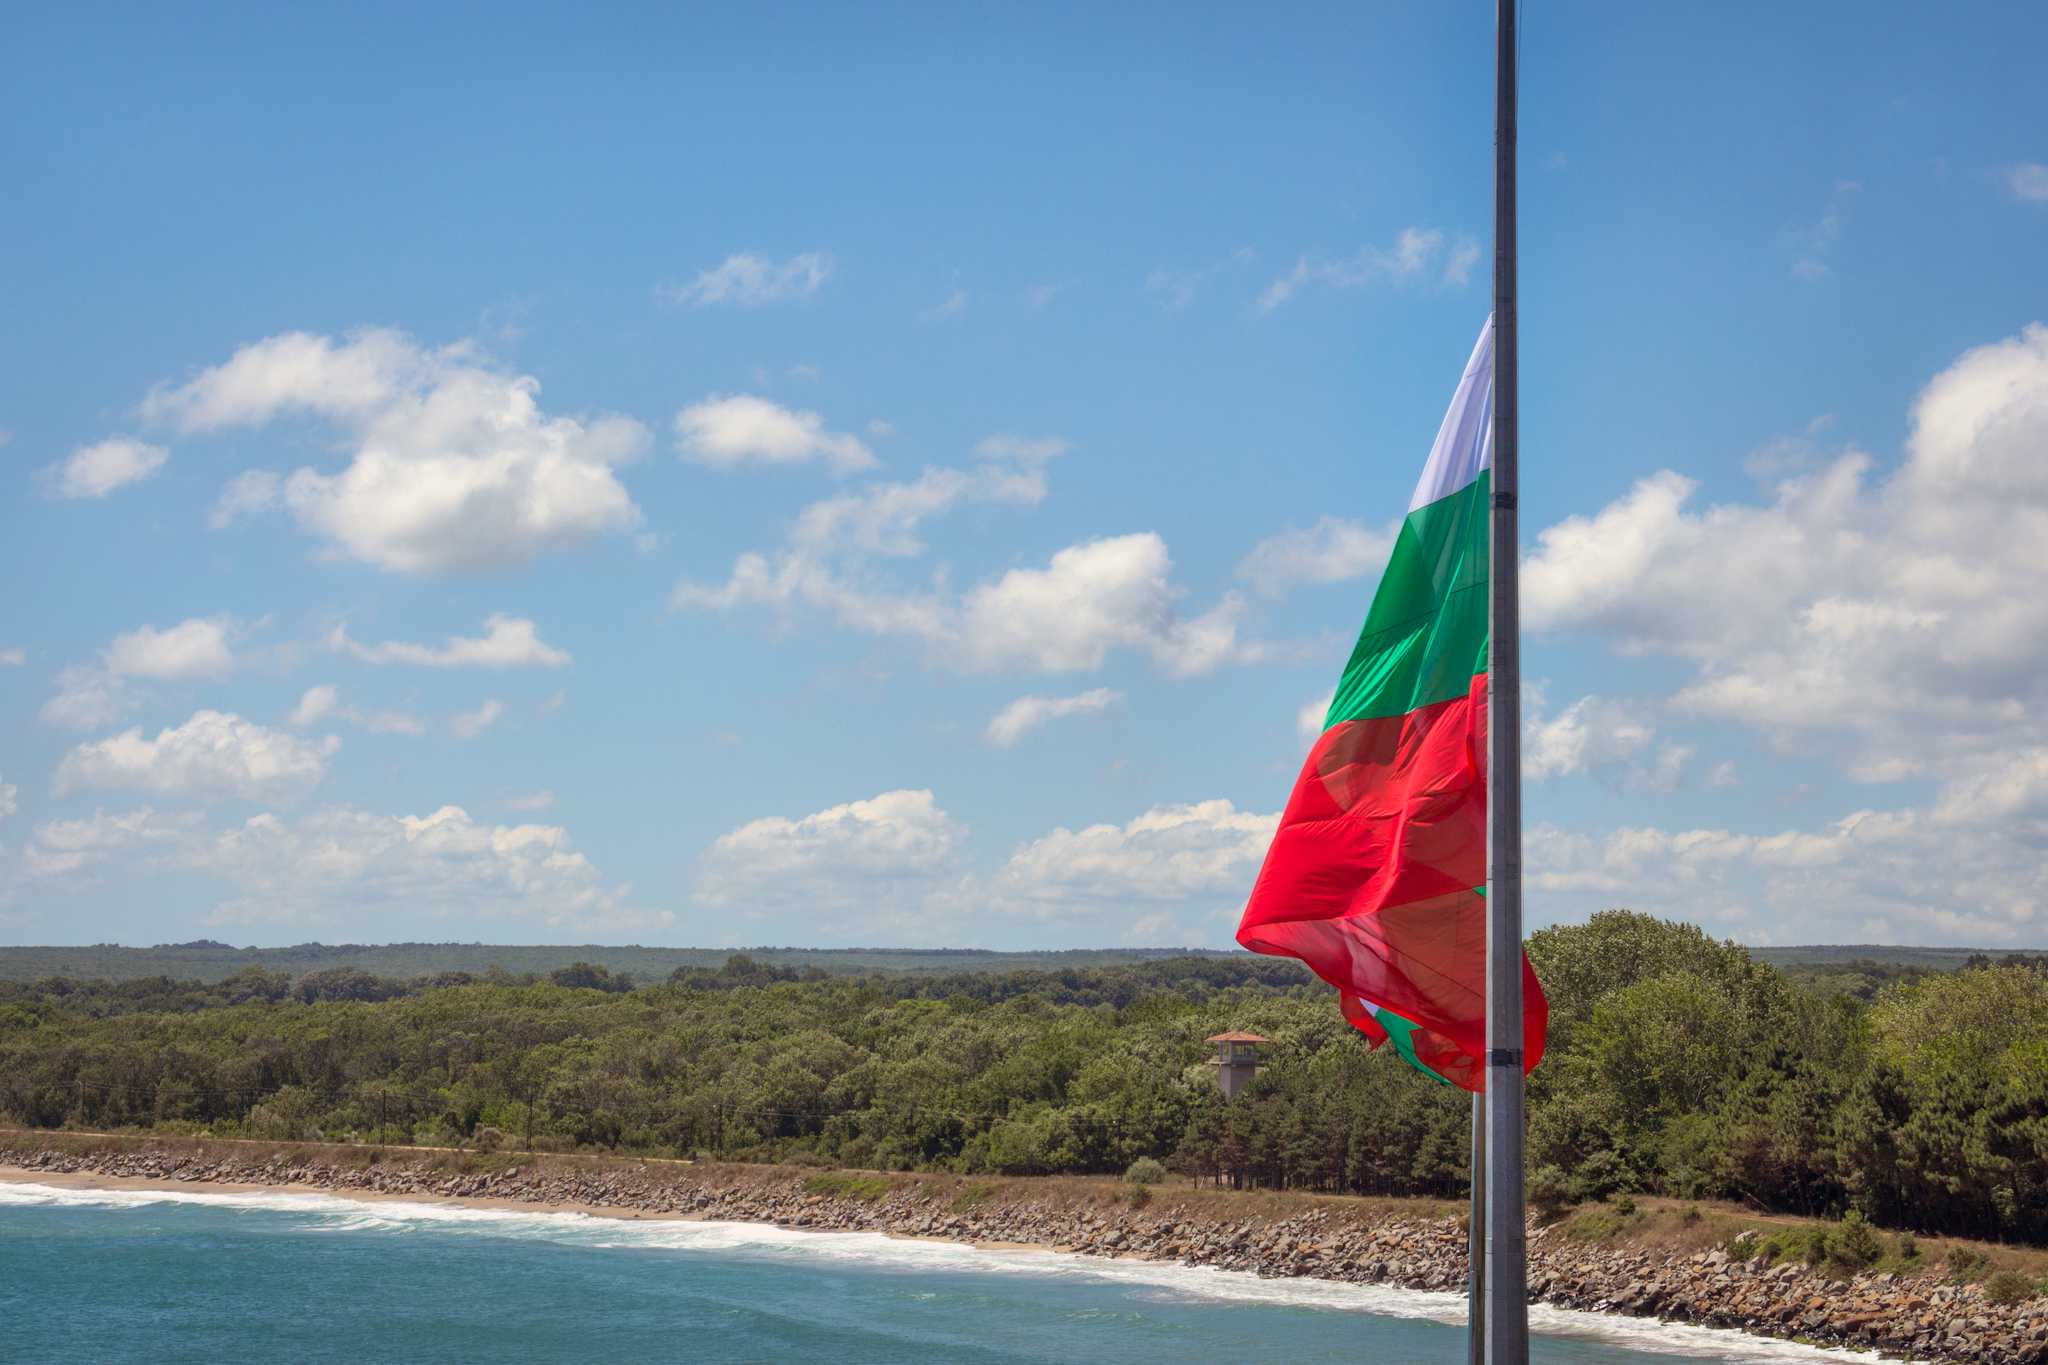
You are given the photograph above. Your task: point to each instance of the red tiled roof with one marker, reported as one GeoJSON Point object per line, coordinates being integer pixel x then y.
{"type": "Point", "coordinates": [1237, 1038]}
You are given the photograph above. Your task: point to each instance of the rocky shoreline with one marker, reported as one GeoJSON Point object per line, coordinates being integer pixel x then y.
{"type": "Point", "coordinates": [1924, 1317]}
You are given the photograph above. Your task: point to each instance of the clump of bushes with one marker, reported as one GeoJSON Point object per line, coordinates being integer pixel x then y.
{"type": "Point", "coordinates": [1965, 1264]}
{"type": "Point", "coordinates": [1808, 1246]}
{"type": "Point", "coordinates": [840, 1185]}
{"type": "Point", "coordinates": [971, 1195]}
{"type": "Point", "coordinates": [1851, 1245]}
{"type": "Point", "coordinates": [1604, 1223]}
{"type": "Point", "coordinates": [1145, 1171]}
{"type": "Point", "coordinates": [2009, 1287]}
{"type": "Point", "coordinates": [1905, 1253]}
{"type": "Point", "coordinates": [1551, 1193]}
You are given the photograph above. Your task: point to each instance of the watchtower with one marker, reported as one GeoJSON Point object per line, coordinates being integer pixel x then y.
{"type": "Point", "coordinates": [1237, 1060]}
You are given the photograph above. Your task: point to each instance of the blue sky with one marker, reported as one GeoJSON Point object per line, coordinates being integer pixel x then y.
{"type": "Point", "coordinates": [808, 476]}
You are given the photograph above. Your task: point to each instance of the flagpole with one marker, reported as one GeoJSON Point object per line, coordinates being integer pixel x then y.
{"type": "Point", "coordinates": [1506, 1284]}
{"type": "Point", "coordinates": [1475, 1239]}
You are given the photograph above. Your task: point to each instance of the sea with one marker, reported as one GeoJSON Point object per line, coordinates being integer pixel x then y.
{"type": "Point", "coordinates": [213, 1275]}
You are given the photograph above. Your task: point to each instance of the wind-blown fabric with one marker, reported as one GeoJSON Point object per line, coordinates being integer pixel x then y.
{"type": "Point", "coordinates": [1376, 878]}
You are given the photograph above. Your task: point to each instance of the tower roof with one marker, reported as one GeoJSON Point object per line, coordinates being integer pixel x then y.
{"type": "Point", "coordinates": [1237, 1037]}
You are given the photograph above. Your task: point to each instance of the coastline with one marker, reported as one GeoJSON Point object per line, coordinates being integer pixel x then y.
{"type": "Point", "coordinates": [1919, 1318]}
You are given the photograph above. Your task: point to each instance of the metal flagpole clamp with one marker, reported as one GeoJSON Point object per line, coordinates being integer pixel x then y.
{"type": "Point", "coordinates": [1504, 1056]}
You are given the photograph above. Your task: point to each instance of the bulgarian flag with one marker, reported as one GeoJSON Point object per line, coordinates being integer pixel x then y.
{"type": "Point", "coordinates": [1377, 875]}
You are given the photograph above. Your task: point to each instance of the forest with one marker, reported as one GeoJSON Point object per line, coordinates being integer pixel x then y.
{"type": "Point", "coordinates": [1677, 1065]}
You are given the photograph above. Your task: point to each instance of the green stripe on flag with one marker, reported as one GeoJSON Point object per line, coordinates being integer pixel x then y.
{"type": "Point", "coordinates": [1401, 1033]}
{"type": "Point", "coordinates": [1426, 636]}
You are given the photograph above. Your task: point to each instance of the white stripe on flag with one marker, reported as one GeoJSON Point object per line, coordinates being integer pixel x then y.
{"type": "Point", "coordinates": [1464, 444]}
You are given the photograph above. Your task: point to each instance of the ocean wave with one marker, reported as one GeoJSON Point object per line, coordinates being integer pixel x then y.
{"type": "Point", "coordinates": [882, 1252]}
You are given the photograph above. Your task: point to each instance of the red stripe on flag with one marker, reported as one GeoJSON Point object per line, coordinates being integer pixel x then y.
{"type": "Point", "coordinates": [1371, 879]}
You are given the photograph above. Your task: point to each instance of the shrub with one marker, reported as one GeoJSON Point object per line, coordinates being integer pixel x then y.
{"type": "Point", "coordinates": [1852, 1245]}
{"type": "Point", "coordinates": [1551, 1193]}
{"type": "Point", "coordinates": [2009, 1287]}
{"type": "Point", "coordinates": [1600, 1225]}
{"type": "Point", "coordinates": [1807, 1245]}
{"type": "Point", "coordinates": [1601, 1175]}
{"type": "Point", "coordinates": [970, 1195]}
{"type": "Point", "coordinates": [488, 1139]}
{"type": "Point", "coordinates": [1145, 1171]}
{"type": "Point", "coordinates": [1966, 1264]}
{"type": "Point", "coordinates": [1141, 1195]}
{"type": "Point", "coordinates": [1744, 1245]}
{"type": "Point", "coordinates": [1689, 1215]}
{"type": "Point", "coordinates": [1624, 1205]}
{"type": "Point", "coordinates": [843, 1186]}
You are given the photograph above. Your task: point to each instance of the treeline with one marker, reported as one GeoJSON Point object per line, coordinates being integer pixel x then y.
{"type": "Point", "coordinates": [1677, 1065]}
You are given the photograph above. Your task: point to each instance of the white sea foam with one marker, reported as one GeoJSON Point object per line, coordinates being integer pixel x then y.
{"type": "Point", "coordinates": [331, 1213]}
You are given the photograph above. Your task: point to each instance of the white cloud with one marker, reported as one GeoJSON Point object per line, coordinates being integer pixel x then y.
{"type": "Point", "coordinates": [60, 848]}
{"type": "Point", "coordinates": [1180, 286]}
{"type": "Point", "coordinates": [875, 857]}
{"type": "Point", "coordinates": [8, 793]}
{"type": "Point", "coordinates": [315, 705]}
{"type": "Point", "coordinates": [883, 518]}
{"type": "Point", "coordinates": [385, 722]}
{"type": "Point", "coordinates": [507, 642]}
{"type": "Point", "coordinates": [380, 875]}
{"type": "Point", "coordinates": [455, 467]}
{"type": "Point", "coordinates": [1591, 733]}
{"type": "Point", "coordinates": [97, 694]}
{"type": "Point", "coordinates": [1063, 618]}
{"type": "Point", "coordinates": [349, 866]}
{"type": "Point", "coordinates": [470, 724]}
{"type": "Point", "coordinates": [1308, 721]}
{"type": "Point", "coordinates": [2027, 180]}
{"type": "Point", "coordinates": [1027, 713]}
{"type": "Point", "coordinates": [531, 801]}
{"type": "Point", "coordinates": [12, 658]}
{"type": "Point", "coordinates": [88, 697]}
{"type": "Point", "coordinates": [248, 493]}
{"type": "Point", "coordinates": [319, 703]}
{"type": "Point", "coordinates": [213, 754]}
{"type": "Point", "coordinates": [191, 650]}
{"type": "Point", "coordinates": [1089, 599]}
{"type": "Point", "coordinates": [1330, 551]}
{"type": "Point", "coordinates": [96, 470]}
{"type": "Point", "coordinates": [1208, 851]}
{"type": "Point", "coordinates": [1458, 268]}
{"type": "Point", "coordinates": [1039, 297]}
{"type": "Point", "coordinates": [1948, 875]}
{"type": "Point", "coordinates": [1817, 240]}
{"type": "Point", "coordinates": [1880, 618]}
{"type": "Point", "coordinates": [725, 432]}
{"type": "Point", "coordinates": [1413, 254]}
{"type": "Point", "coordinates": [745, 280]}
{"type": "Point", "coordinates": [948, 308]}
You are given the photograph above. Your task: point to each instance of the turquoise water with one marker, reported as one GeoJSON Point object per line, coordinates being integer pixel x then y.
{"type": "Point", "coordinates": [122, 1276]}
